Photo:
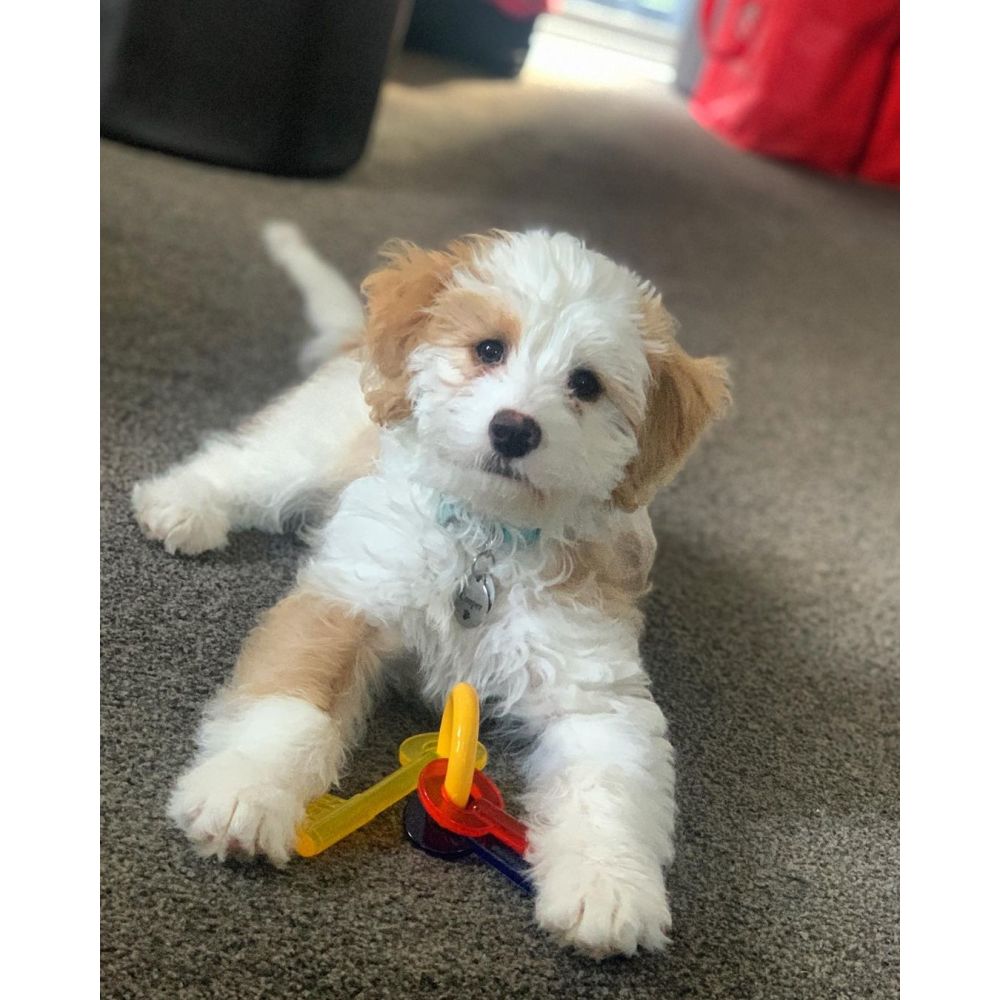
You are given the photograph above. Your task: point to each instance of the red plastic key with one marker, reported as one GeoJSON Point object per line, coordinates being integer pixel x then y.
{"type": "Point", "coordinates": [482, 817]}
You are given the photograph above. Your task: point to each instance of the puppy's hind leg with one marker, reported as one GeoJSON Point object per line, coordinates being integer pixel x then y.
{"type": "Point", "coordinates": [299, 450]}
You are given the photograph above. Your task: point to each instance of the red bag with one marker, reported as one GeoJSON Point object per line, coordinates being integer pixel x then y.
{"type": "Point", "coordinates": [881, 158]}
{"type": "Point", "coordinates": [814, 82]}
{"type": "Point", "coordinates": [521, 9]}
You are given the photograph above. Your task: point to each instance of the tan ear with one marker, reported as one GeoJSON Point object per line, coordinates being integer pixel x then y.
{"type": "Point", "coordinates": [397, 296]}
{"type": "Point", "coordinates": [685, 396]}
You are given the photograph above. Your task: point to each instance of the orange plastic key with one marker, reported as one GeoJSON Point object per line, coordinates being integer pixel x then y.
{"type": "Point", "coordinates": [484, 814]}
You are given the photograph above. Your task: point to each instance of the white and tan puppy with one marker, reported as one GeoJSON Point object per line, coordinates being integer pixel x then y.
{"type": "Point", "coordinates": [513, 401]}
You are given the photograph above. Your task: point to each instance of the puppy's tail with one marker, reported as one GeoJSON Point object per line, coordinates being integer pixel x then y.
{"type": "Point", "coordinates": [331, 305]}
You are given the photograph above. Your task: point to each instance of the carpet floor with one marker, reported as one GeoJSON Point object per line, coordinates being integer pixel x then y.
{"type": "Point", "coordinates": [772, 634]}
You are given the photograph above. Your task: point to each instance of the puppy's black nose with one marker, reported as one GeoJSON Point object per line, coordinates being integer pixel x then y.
{"type": "Point", "coordinates": [513, 434]}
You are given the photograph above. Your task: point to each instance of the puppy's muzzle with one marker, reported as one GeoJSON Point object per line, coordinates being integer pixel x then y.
{"type": "Point", "coordinates": [514, 434]}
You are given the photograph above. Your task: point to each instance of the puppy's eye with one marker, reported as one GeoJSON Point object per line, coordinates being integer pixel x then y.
{"type": "Point", "coordinates": [584, 384]}
{"type": "Point", "coordinates": [491, 352]}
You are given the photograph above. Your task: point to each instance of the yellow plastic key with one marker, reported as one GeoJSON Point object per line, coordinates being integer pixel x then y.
{"type": "Point", "coordinates": [330, 818]}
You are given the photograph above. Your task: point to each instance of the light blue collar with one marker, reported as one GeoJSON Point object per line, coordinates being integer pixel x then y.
{"type": "Point", "coordinates": [455, 512]}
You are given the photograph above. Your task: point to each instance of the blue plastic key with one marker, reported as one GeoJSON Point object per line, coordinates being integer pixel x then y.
{"type": "Point", "coordinates": [433, 839]}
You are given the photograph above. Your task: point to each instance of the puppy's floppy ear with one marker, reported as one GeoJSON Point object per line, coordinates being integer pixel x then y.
{"type": "Point", "coordinates": [398, 295]}
{"type": "Point", "coordinates": [685, 395]}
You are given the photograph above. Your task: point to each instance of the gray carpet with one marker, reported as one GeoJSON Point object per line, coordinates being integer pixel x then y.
{"type": "Point", "coordinates": [773, 627]}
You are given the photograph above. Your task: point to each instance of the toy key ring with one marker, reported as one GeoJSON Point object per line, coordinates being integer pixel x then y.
{"type": "Point", "coordinates": [330, 818]}
{"type": "Point", "coordinates": [458, 740]}
{"type": "Point", "coordinates": [458, 809]}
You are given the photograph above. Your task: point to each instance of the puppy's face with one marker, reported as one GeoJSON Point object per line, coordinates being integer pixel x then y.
{"type": "Point", "coordinates": [536, 374]}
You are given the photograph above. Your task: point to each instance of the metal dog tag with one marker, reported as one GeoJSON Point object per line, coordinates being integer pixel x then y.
{"type": "Point", "coordinates": [475, 600]}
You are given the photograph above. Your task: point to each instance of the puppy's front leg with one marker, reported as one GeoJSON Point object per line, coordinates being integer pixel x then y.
{"type": "Point", "coordinates": [601, 816]}
{"type": "Point", "coordinates": [276, 736]}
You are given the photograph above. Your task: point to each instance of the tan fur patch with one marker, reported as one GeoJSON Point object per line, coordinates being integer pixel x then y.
{"type": "Point", "coordinates": [685, 396]}
{"type": "Point", "coordinates": [611, 574]}
{"type": "Point", "coordinates": [307, 647]}
{"type": "Point", "coordinates": [462, 318]}
{"type": "Point", "coordinates": [399, 295]}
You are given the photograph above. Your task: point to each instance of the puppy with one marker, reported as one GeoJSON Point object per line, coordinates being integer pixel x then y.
{"type": "Point", "coordinates": [492, 443]}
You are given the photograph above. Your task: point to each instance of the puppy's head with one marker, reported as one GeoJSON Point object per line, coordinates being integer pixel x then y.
{"type": "Point", "coordinates": [536, 375]}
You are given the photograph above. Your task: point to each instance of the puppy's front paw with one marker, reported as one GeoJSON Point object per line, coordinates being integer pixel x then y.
{"type": "Point", "coordinates": [226, 808]}
{"type": "Point", "coordinates": [602, 909]}
{"type": "Point", "coordinates": [181, 510]}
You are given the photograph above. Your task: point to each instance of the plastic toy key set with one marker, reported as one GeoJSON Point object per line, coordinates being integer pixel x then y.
{"type": "Point", "coordinates": [457, 810]}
